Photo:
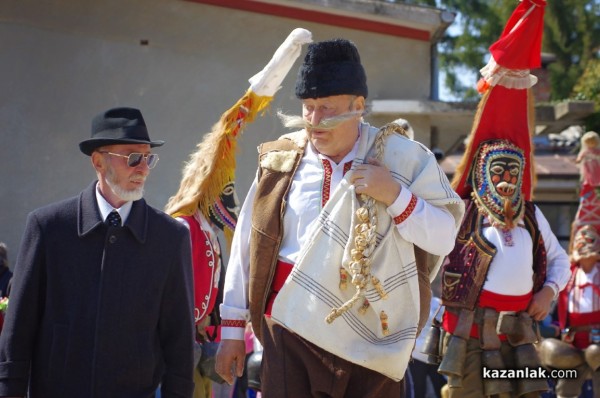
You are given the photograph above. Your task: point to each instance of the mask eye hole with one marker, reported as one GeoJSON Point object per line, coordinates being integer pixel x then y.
{"type": "Point", "coordinates": [496, 169]}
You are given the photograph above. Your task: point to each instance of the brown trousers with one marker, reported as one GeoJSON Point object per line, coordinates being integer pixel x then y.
{"type": "Point", "coordinates": [295, 368]}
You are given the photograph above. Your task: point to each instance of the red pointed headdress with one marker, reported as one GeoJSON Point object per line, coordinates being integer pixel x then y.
{"type": "Point", "coordinates": [506, 110]}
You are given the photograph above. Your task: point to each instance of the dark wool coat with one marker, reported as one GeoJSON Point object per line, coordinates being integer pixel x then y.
{"type": "Point", "coordinates": [98, 311]}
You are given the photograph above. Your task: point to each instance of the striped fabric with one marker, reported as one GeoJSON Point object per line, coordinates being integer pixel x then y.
{"type": "Point", "coordinates": [312, 289]}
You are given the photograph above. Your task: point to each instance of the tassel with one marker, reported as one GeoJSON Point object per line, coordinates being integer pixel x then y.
{"type": "Point", "coordinates": [343, 278]}
{"type": "Point", "coordinates": [482, 86]}
{"type": "Point", "coordinates": [364, 307]}
{"type": "Point", "coordinates": [377, 285]}
{"type": "Point", "coordinates": [384, 323]}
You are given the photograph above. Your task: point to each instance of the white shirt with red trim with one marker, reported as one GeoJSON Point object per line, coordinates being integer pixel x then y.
{"type": "Point", "coordinates": [510, 274]}
{"type": "Point", "coordinates": [585, 295]}
{"type": "Point", "coordinates": [432, 228]}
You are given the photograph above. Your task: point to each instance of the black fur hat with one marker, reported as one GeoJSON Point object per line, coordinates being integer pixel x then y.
{"type": "Point", "coordinates": [331, 67]}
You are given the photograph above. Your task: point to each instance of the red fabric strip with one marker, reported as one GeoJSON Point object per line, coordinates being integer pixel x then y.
{"type": "Point", "coordinates": [582, 339]}
{"type": "Point", "coordinates": [407, 212]}
{"type": "Point", "coordinates": [488, 299]}
{"type": "Point", "coordinates": [281, 274]}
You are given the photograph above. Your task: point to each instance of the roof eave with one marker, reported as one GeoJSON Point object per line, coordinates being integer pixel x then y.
{"type": "Point", "coordinates": [407, 21]}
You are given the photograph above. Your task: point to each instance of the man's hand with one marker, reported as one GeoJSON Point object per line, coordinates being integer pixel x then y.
{"type": "Point", "coordinates": [540, 303]}
{"type": "Point", "coordinates": [375, 180]}
{"type": "Point", "coordinates": [231, 356]}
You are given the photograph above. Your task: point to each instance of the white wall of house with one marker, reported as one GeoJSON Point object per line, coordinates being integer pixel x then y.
{"type": "Point", "coordinates": [64, 61]}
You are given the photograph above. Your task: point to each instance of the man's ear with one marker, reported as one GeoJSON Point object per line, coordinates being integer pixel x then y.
{"type": "Point", "coordinates": [97, 161]}
{"type": "Point", "coordinates": [359, 103]}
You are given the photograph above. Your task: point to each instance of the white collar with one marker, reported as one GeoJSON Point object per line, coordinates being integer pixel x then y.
{"type": "Point", "coordinates": [350, 156]}
{"type": "Point", "coordinates": [106, 208]}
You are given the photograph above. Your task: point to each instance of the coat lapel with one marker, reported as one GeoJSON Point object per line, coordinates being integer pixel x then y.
{"type": "Point", "coordinates": [88, 217]}
{"type": "Point", "coordinates": [137, 222]}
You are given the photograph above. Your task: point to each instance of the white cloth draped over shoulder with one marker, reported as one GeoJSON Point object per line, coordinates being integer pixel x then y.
{"type": "Point", "coordinates": [312, 289]}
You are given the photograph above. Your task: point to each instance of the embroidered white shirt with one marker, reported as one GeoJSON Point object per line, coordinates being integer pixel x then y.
{"type": "Point", "coordinates": [510, 274]}
{"type": "Point", "coordinates": [428, 227]}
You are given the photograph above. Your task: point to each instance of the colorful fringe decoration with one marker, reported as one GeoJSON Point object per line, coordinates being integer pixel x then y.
{"type": "Point", "coordinates": [208, 176]}
{"type": "Point", "coordinates": [205, 176]}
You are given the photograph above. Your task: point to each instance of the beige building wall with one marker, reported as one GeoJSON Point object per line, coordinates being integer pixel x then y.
{"type": "Point", "coordinates": [182, 63]}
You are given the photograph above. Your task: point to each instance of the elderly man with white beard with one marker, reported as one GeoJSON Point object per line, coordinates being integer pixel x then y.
{"type": "Point", "coordinates": [101, 302]}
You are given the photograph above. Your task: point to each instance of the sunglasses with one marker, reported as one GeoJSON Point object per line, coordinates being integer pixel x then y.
{"type": "Point", "coordinates": [134, 159]}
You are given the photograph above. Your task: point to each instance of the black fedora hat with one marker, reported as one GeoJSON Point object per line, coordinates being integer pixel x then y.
{"type": "Point", "coordinates": [118, 126]}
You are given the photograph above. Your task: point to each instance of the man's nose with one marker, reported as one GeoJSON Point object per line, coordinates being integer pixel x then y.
{"type": "Point", "coordinates": [143, 167]}
{"type": "Point", "coordinates": [315, 118]}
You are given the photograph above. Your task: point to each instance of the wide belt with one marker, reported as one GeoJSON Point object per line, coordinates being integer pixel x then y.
{"type": "Point", "coordinates": [518, 327]}
{"type": "Point", "coordinates": [494, 326]}
{"type": "Point", "coordinates": [282, 271]}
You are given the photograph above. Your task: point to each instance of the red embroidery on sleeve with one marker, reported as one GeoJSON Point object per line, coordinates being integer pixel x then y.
{"type": "Point", "coordinates": [233, 323]}
{"type": "Point", "coordinates": [407, 212]}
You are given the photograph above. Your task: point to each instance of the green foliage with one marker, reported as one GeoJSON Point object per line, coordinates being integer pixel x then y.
{"type": "Point", "coordinates": [588, 88]}
{"type": "Point", "coordinates": [4, 304]}
{"type": "Point", "coordinates": [571, 33]}
{"type": "Point", "coordinates": [479, 23]}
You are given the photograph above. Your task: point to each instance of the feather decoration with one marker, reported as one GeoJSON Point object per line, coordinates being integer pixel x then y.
{"type": "Point", "coordinates": [212, 166]}
{"type": "Point", "coordinates": [204, 176]}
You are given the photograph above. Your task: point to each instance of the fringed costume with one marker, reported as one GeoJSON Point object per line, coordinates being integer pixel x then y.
{"type": "Point", "coordinates": [506, 260]}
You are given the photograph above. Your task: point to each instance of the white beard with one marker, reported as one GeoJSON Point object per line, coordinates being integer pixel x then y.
{"type": "Point", "coordinates": [123, 194]}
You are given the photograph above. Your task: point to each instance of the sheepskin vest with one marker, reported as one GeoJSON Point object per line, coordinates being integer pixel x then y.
{"type": "Point", "coordinates": [267, 230]}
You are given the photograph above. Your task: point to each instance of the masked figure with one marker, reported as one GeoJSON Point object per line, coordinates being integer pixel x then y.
{"type": "Point", "coordinates": [579, 318]}
{"type": "Point", "coordinates": [507, 266]}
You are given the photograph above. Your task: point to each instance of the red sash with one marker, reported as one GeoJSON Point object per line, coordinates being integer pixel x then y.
{"type": "Point", "coordinates": [488, 299]}
{"type": "Point", "coordinates": [582, 339]}
{"type": "Point", "coordinates": [281, 273]}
